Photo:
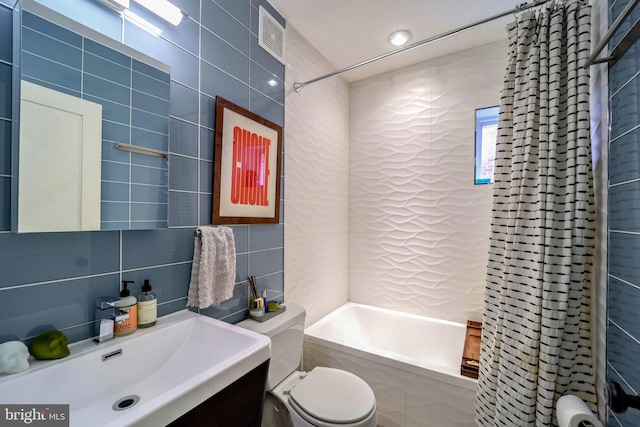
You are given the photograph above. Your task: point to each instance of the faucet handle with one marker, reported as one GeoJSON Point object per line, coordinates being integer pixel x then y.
{"type": "Point", "coordinates": [106, 302]}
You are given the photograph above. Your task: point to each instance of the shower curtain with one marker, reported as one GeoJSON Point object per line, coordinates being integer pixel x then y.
{"type": "Point", "coordinates": [536, 343]}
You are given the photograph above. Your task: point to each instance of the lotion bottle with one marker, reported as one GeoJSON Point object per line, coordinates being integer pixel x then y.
{"type": "Point", "coordinates": [126, 303]}
{"type": "Point", "coordinates": [147, 306]}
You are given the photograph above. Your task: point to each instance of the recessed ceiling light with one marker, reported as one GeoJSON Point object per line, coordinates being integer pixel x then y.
{"type": "Point", "coordinates": [272, 82]}
{"type": "Point", "coordinates": [400, 37]}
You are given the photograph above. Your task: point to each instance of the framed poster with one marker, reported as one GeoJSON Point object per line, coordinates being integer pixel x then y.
{"type": "Point", "coordinates": [486, 138]}
{"type": "Point", "coordinates": [247, 167]}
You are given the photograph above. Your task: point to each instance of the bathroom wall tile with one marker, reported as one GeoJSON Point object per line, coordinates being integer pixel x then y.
{"type": "Point", "coordinates": [114, 212]}
{"type": "Point", "coordinates": [263, 237]}
{"type": "Point", "coordinates": [624, 251]}
{"type": "Point", "coordinates": [242, 268]}
{"type": "Point", "coordinates": [115, 191]}
{"type": "Point", "coordinates": [142, 249]}
{"type": "Point", "coordinates": [626, 299]}
{"type": "Point", "coordinates": [112, 111]}
{"type": "Point", "coordinates": [236, 304]}
{"type": "Point", "coordinates": [5, 203]}
{"type": "Point", "coordinates": [264, 3]}
{"type": "Point", "coordinates": [206, 203]}
{"type": "Point", "coordinates": [241, 238]}
{"type": "Point", "coordinates": [5, 147]}
{"type": "Point", "coordinates": [624, 103]}
{"type": "Point", "coordinates": [150, 224]}
{"type": "Point", "coordinates": [115, 172]}
{"type": "Point", "coordinates": [150, 139]}
{"type": "Point", "coordinates": [623, 70]}
{"type": "Point", "coordinates": [266, 107]}
{"type": "Point", "coordinates": [624, 207]}
{"type": "Point", "coordinates": [168, 282]}
{"type": "Point", "coordinates": [184, 103]}
{"type": "Point", "coordinates": [149, 103]}
{"type": "Point", "coordinates": [37, 23]}
{"type": "Point", "coordinates": [630, 417]}
{"type": "Point", "coordinates": [230, 60]}
{"type": "Point", "coordinates": [255, 20]}
{"type": "Point", "coordinates": [52, 86]}
{"type": "Point", "coordinates": [625, 155]}
{"type": "Point", "coordinates": [92, 14]}
{"type": "Point", "coordinates": [216, 20]}
{"type": "Point", "coordinates": [184, 65]}
{"type": "Point", "coordinates": [149, 194]}
{"type": "Point", "coordinates": [266, 262]}
{"type": "Point", "coordinates": [185, 35]}
{"type": "Point", "coordinates": [149, 214]}
{"type": "Point", "coordinates": [206, 177]}
{"type": "Point", "coordinates": [150, 122]}
{"type": "Point", "coordinates": [239, 9]}
{"type": "Point", "coordinates": [169, 261]}
{"type": "Point", "coordinates": [29, 311]}
{"type": "Point", "coordinates": [184, 136]}
{"type": "Point", "coordinates": [52, 49]}
{"type": "Point", "coordinates": [106, 69]}
{"type": "Point", "coordinates": [218, 83]}
{"type": "Point", "coordinates": [190, 7]}
{"type": "Point", "coordinates": [206, 144]}
{"type": "Point", "coordinates": [208, 112]}
{"type": "Point", "coordinates": [150, 176]}
{"type": "Point", "coordinates": [56, 255]}
{"type": "Point", "coordinates": [105, 52]}
{"type": "Point", "coordinates": [154, 72]}
{"type": "Point", "coordinates": [6, 34]}
{"type": "Point", "coordinates": [183, 209]}
{"type": "Point", "coordinates": [621, 355]}
{"type": "Point", "coordinates": [42, 69]}
{"type": "Point", "coordinates": [260, 81]}
{"type": "Point", "coordinates": [265, 59]}
{"type": "Point", "coordinates": [148, 84]}
{"type": "Point", "coordinates": [116, 132]}
{"type": "Point", "coordinates": [183, 174]}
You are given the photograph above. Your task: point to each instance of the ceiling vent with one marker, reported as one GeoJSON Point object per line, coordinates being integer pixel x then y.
{"type": "Point", "coordinates": [272, 35]}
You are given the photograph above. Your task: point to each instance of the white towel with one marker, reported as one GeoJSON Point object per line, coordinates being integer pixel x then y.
{"type": "Point", "coordinates": [213, 273]}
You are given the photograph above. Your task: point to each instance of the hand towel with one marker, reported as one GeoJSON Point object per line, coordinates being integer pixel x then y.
{"type": "Point", "coordinates": [213, 272]}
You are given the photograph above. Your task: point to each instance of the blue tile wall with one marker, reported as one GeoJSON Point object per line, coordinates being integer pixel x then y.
{"type": "Point", "coordinates": [50, 280]}
{"type": "Point", "coordinates": [623, 333]}
{"type": "Point", "coordinates": [131, 94]}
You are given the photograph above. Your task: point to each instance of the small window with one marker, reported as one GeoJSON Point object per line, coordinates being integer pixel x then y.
{"type": "Point", "coordinates": [486, 138]}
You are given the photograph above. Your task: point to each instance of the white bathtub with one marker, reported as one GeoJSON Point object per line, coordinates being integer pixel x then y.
{"type": "Point", "coordinates": [411, 362]}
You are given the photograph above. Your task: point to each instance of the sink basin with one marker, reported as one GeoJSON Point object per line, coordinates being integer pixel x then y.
{"type": "Point", "coordinates": [171, 367]}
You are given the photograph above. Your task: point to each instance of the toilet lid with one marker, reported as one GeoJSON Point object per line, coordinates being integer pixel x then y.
{"type": "Point", "coordinates": [334, 396]}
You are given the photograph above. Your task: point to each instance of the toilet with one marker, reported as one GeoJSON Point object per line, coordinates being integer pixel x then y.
{"type": "Point", "coordinates": [322, 397]}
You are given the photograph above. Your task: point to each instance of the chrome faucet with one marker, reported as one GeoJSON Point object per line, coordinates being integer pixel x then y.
{"type": "Point", "coordinates": [106, 316]}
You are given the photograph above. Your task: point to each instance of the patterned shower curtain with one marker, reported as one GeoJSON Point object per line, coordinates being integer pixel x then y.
{"type": "Point", "coordinates": [536, 343]}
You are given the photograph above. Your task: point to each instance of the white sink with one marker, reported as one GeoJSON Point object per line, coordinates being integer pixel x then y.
{"type": "Point", "coordinates": [172, 367]}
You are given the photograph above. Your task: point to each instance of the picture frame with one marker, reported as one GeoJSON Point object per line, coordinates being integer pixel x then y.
{"type": "Point", "coordinates": [247, 167]}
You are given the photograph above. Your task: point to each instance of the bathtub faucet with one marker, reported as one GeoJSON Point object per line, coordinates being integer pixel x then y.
{"type": "Point", "coordinates": [106, 316]}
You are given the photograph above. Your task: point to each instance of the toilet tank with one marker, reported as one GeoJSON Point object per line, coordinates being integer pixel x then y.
{"type": "Point", "coordinates": [286, 331]}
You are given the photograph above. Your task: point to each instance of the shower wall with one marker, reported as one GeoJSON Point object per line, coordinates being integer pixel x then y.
{"type": "Point", "coordinates": [418, 226]}
{"type": "Point", "coordinates": [316, 197]}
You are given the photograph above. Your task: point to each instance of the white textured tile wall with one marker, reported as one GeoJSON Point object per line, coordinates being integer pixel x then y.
{"type": "Point", "coordinates": [418, 226]}
{"type": "Point", "coordinates": [316, 149]}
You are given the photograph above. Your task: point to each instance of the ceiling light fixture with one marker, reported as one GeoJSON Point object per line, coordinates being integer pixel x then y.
{"type": "Point", "coordinates": [272, 82]}
{"type": "Point", "coordinates": [400, 37]}
{"type": "Point", "coordinates": [164, 9]}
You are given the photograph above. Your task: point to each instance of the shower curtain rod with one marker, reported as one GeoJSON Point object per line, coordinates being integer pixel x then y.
{"type": "Point", "coordinates": [524, 6]}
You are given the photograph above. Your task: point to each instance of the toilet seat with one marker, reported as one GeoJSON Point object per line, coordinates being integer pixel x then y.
{"type": "Point", "coordinates": [332, 396]}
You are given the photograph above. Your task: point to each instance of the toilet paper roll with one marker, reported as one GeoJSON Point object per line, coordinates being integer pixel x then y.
{"type": "Point", "coordinates": [571, 411]}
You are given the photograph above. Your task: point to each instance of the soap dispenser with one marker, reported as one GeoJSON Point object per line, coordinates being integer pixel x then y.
{"type": "Point", "coordinates": [127, 303]}
{"type": "Point", "coordinates": [147, 306]}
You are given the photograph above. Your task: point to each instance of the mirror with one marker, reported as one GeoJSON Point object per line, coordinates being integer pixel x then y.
{"type": "Point", "coordinates": [65, 60]}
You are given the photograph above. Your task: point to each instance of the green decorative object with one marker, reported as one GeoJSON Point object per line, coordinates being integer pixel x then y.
{"type": "Point", "coordinates": [49, 345]}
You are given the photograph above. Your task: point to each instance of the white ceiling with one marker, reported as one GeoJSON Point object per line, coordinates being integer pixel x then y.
{"type": "Point", "coordinates": [350, 31]}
